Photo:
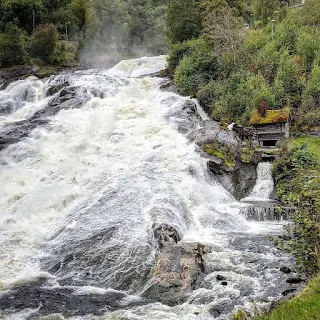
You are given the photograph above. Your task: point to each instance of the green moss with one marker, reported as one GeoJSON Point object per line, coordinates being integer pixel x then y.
{"type": "Point", "coordinates": [271, 116]}
{"type": "Point", "coordinates": [45, 72]}
{"type": "Point", "coordinates": [272, 151]}
{"type": "Point", "coordinates": [222, 151]}
{"type": "Point", "coordinates": [247, 153]}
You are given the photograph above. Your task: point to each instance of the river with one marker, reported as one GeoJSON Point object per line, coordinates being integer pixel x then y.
{"type": "Point", "coordinates": [85, 174]}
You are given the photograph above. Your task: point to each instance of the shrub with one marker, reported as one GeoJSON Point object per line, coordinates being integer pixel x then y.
{"type": "Point", "coordinates": [307, 46]}
{"type": "Point", "coordinates": [311, 94]}
{"type": "Point", "coordinates": [44, 43]}
{"type": "Point", "coordinates": [288, 84]}
{"type": "Point", "coordinates": [297, 178]}
{"type": "Point", "coordinates": [195, 70]}
{"type": "Point", "coordinates": [266, 61]}
{"type": "Point", "coordinates": [12, 46]}
{"type": "Point", "coordinates": [178, 50]}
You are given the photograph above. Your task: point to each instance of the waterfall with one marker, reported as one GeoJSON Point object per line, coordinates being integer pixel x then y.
{"type": "Point", "coordinates": [259, 205]}
{"type": "Point", "coordinates": [264, 185]}
{"type": "Point", "coordinates": [89, 163]}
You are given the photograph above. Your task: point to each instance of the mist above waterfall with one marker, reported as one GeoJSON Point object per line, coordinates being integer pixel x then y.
{"type": "Point", "coordinates": [118, 29]}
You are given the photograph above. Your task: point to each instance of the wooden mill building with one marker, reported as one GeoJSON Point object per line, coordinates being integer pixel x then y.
{"type": "Point", "coordinates": [270, 128]}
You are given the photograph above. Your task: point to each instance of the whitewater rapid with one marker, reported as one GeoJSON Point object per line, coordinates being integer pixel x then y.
{"type": "Point", "coordinates": [80, 192]}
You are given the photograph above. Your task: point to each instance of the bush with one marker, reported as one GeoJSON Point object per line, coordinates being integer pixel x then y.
{"type": "Point", "coordinates": [289, 83]}
{"type": "Point", "coordinates": [234, 98]}
{"type": "Point", "coordinates": [12, 46]}
{"type": "Point", "coordinates": [267, 61]}
{"type": "Point", "coordinates": [307, 46]}
{"type": "Point", "coordinates": [178, 50]}
{"type": "Point", "coordinates": [297, 178]}
{"type": "Point", "coordinates": [44, 43]}
{"type": "Point", "coordinates": [311, 95]}
{"type": "Point", "coordinates": [195, 70]}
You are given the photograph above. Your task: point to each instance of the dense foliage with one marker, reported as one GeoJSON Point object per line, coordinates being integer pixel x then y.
{"type": "Point", "coordinates": [297, 178]}
{"type": "Point", "coordinates": [263, 52]}
{"type": "Point", "coordinates": [95, 26]}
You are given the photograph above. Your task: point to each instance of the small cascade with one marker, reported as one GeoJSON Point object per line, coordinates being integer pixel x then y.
{"type": "Point", "coordinates": [258, 206]}
{"type": "Point", "coordinates": [264, 185]}
{"type": "Point", "coordinates": [265, 212]}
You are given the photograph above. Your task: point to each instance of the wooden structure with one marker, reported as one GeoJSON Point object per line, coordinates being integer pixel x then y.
{"type": "Point", "coordinates": [271, 127]}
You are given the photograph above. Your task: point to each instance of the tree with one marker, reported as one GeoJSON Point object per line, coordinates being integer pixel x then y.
{"type": "Point", "coordinates": [44, 43]}
{"type": "Point", "coordinates": [22, 11]}
{"type": "Point", "coordinates": [12, 46]}
{"type": "Point", "coordinates": [264, 10]}
{"type": "Point", "coordinates": [225, 31]}
{"type": "Point", "coordinates": [288, 83]}
{"type": "Point", "coordinates": [195, 69]}
{"type": "Point", "coordinates": [183, 20]}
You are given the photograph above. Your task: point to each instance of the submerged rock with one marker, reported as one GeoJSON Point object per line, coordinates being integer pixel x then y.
{"type": "Point", "coordinates": [285, 269]}
{"type": "Point", "coordinates": [64, 301]}
{"type": "Point", "coordinates": [294, 280]}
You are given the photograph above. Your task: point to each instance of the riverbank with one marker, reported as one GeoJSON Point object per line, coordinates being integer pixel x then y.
{"type": "Point", "coordinates": [297, 179]}
{"type": "Point", "coordinates": [8, 75]}
{"type": "Point", "coordinates": [304, 307]}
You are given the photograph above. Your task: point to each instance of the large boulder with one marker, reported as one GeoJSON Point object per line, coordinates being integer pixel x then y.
{"type": "Point", "coordinates": [178, 270]}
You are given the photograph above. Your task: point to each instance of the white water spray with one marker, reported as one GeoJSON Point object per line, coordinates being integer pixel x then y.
{"type": "Point", "coordinates": [82, 193]}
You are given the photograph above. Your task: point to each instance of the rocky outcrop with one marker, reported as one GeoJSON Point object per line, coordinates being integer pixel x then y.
{"type": "Point", "coordinates": [229, 159]}
{"type": "Point", "coordinates": [22, 72]}
{"type": "Point", "coordinates": [178, 270]}
{"type": "Point", "coordinates": [238, 180]}
{"type": "Point", "coordinates": [9, 75]}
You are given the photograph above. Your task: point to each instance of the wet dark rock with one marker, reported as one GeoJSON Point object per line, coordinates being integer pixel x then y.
{"type": "Point", "coordinates": [165, 234]}
{"type": "Point", "coordinates": [65, 301]}
{"type": "Point", "coordinates": [220, 277]}
{"type": "Point", "coordinates": [288, 291]}
{"type": "Point", "coordinates": [224, 283]}
{"type": "Point", "coordinates": [56, 88]}
{"type": "Point", "coordinates": [215, 312]}
{"type": "Point", "coordinates": [285, 269]}
{"type": "Point", "coordinates": [3, 83]}
{"type": "Point", "coordinates": [167, 85]}
{"type": "Point", "coordinates": [221, 308]}
{"type": "Point", "coordinates": [238, 179]}
{"type": "Point", "coordinates": [179, 269]}
{"type": "Point", "coordinates": [12, 74]}
{"type": "Point", "coordinates": [12, 133]}
{"type": "Point", "coordinates": [6, 107]}
{"type": "Point", "coordinates": [294, 280]}
{"type": "Point", "coordinates": [68, 98]}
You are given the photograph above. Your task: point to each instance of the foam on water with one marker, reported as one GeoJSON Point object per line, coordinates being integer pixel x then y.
{"type": "Point", "coordinates": [264, 185]}
{"type": "Point", "coordinates": [97, 178]}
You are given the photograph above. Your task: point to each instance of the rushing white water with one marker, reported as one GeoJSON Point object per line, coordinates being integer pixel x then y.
{"type": "Point", "coordinates": [79, 196]}
{"type": "Point", "coordinates": [264, 185]}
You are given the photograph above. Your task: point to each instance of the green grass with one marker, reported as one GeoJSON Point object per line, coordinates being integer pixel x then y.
{"type": "Point", "coordinates": [312, 144]}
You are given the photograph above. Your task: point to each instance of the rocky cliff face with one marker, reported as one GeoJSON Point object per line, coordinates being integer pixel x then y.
{"type": "Point", "coordinates": [231, 161]}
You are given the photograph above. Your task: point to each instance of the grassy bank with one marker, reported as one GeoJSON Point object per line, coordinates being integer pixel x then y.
{"type": "Point", "coordinates": [297, 179]}
{"type": "Point", "coordinates": [306, 306]}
